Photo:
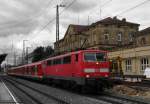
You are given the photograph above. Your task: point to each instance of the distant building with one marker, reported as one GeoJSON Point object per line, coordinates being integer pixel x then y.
{"type": "Point", "coordinates": [143, 38]}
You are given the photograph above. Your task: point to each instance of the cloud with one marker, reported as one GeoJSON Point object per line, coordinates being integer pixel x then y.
{"type": "Point", "coordinates": [82, 5]}
{"type": "Point", "coordinates": [25, 19]}
{"type": "Point", "coordinates": [21, 16]}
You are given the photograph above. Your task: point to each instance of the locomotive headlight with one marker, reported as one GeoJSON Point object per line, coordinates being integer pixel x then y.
{"type": "Point", "coordinates": [104, 70]}
{"type": "Point", "coordinates": [89, 70]}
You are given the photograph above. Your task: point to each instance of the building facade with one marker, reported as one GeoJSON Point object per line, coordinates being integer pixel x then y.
{"type": "Point", "coordinates": [106, 34]}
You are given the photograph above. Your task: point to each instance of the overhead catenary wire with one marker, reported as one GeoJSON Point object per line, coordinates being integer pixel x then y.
{"type": "Point", "coordinates": [52, 20]}
{"type": "Point", "coordinates": [132, 8]}
{"type": "Point", "coordinates": [102, 5]}
{"type": "Point", "coordinates": [129, 9]}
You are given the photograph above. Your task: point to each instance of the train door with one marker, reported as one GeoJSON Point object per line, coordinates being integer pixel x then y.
{"type": "Point", "coordinates": [44, 64]}
{"type": "Point", "coordinates": [75, 64]}
{"type": "Point", "coordinates": [35, 70]}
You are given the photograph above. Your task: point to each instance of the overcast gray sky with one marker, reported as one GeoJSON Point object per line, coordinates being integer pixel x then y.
{"type": "Point", "coordinates": [24, 19]}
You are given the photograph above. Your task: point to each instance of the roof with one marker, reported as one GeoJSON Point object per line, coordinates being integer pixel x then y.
{"type": "Point", "coordinates": [76, 29]}
{"type": "Point", "coordinates": [144, 31]}
{"type": "Point", "coordinates": [75, 52]}
{"type": "Point", "coordinates": [115, 20]}
{"type": "Point", "coordinates": [28, 65]}
{"type": "Point", "coordinates": [79, 28]}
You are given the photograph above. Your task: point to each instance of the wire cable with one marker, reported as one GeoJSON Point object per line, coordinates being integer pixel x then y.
{"type": "Point", "coordinates": [132, 8]}
{"type": "Point", "coordinates": [52, 20]}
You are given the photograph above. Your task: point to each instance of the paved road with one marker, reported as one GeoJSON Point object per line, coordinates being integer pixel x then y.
{"type": "Point", "coordinates": [5, 94]}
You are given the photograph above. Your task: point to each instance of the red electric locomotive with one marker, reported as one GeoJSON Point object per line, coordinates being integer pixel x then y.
{"type": "Point", "coordinates": [86, 68]}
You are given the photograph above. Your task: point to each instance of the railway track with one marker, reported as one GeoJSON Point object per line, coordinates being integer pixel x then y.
{"type": "Point", "coordinates": [35, 95]}
{"type": "Point", "coordinates": [43, 94]}
{"type": "Point", "coordinates": [122, 99]}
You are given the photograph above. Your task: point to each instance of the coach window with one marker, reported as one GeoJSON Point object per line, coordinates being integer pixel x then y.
{"type": "Point", "coordinates": [54, 62]}
{"type": "Point", "coordinates": [32, 69]}
{"type": "Point", "coordinates": [49, 62]}
{"type": "Point", "coordinates": [76, 57]}
{"type": "Point", "coordinates": [29, 70]}
{"type": "Point", "coordinates": [58, 61]}
{"type": "Point", "coordinates": [67, 60]}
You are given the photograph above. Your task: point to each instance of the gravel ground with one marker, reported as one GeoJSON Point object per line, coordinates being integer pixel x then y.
{"type": "Point", "coordinates": [133, 91]}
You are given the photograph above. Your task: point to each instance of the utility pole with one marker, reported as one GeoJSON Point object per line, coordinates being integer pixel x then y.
{"type": "Point", "coordinates": [100, 9]}
{"type": "Point", "coordinates": [78, 19]}
{"type": "Point", "coordinates": [23, 53]}
{"type": "Point", "coordinates": [27, 49]}
{"type": "Point", "coordinates": [14, 58]}
{"type": "Point", "coordinates": [57, 21]}
{"type": "Point", "coordinates": [88, 20]}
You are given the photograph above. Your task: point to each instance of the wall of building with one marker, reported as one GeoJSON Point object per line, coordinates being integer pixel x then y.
{"type": "Point", "coordinates": [135, 55]}
{"type": "Point", "coordinates": [143, 40]}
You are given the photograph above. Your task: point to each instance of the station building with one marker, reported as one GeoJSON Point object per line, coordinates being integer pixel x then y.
{"type": "Point", "coordinates": [129, 48]}
{"type": "Point", "coordinates": [108, 33]}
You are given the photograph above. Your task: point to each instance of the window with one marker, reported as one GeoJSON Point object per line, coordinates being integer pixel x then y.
{"type": "Point", "coordinates": [67, 60]}
{"type": "Point", "coordinates": [131, 36]}
{"type": "Point", "coordinates": [144, 63]}
{"type": "Point", "coordinates": [128, 64]}
{"type": "Point", "coordinates": [81, 42]}
{"type": "Point", "coordinates": [94, 57]}
{"type": "Point", "coordinates": [35, 69]}
{"type": "Point", "coordinates": [76, 57]}
{"type": "Point", "coordinates": [143, 41]}
{"type": "Point", "coordinates": [49, 62]}
{"type": "Point", "coordinates": [106, 36]}
{"type": "Point", "coordinates": [119, 36]}
{"type": "Point", "coordinates": [57, 61]}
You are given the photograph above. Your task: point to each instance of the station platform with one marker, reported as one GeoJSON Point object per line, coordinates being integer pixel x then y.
{"type": "Point", "coordinates": [6, 96]}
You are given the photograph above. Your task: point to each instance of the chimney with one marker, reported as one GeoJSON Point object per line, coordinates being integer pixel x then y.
{"type": "Point", "coordinates": [115, 18]}
{"type": "Point", "coordinates": [124, 20]}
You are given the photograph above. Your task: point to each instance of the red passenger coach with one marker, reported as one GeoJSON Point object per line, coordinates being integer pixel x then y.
{"type": "Point", "coordinates": [33, 70]}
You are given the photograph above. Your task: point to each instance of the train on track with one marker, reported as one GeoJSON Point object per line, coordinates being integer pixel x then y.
{"type": "Point", "coordinates": [87, 69]}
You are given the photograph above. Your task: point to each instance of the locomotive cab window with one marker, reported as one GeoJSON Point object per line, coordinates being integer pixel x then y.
{"type": "Point", "coordinates": [94, 57]}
